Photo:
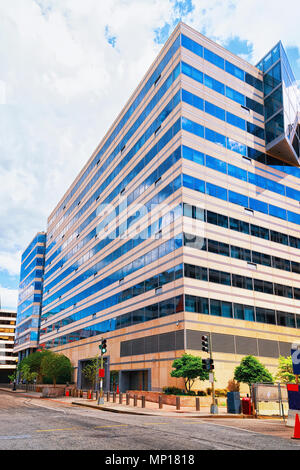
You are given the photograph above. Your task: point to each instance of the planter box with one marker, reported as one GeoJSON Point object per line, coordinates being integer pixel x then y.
{"type": "Point", "coordinates": [52, 392]}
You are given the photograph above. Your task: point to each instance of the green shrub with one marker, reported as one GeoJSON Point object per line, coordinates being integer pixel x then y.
{"type": "Point", "coordinates": [173, 391]}
{"type": "Point", "coordinates": [221, 392]}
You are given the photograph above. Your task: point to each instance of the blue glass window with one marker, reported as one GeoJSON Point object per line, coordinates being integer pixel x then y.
{"type": "Point", "coordinates": [191, 45]}
{"type": "Point", "coordinates": [214, 84]}
{"type": "Point", "coordinates": [236, 146]}
{"type": "Point", "coordinates": [234, 70]}
{"type": "Point", "coordinates": [216, 164]}
{"type": "Point", "coordinates": [237, 198]}
{"type": "Point", "coordinates": [258, 206]}
{"type": "Point", "coordinates": [235, 96]}
{"type": "Point", "coordinates": [193, 155]}
{"type": "Point", "coordinates": [235, 121]}
{"type": "Point", "coordinates": [216, 191]}
{"type": "Point", "coordinates": [215, 137]}
{"type": "Point", "coordinates": [214, 110]}
{"type": "Point", "coordinates": [277, 212]}
{"type": "Point", "coordinates": [237, 172]}
{"type": "Point", "coordinates": [192, 72]}
{"type": "Point", "coordinates": [214, 58]}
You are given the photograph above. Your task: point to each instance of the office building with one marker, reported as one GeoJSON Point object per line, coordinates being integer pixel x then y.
{"type": "Point", "coordinates": [8, 360]}
{"type": "Point", "coordinates": [30, 296]}
{"type": "Point", "coordinates": [184, 221]}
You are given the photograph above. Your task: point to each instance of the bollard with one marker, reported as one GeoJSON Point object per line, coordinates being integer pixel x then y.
{"type": "Point", "coordinates": [107, 396]}
{"type": "Point", "coordinates": [197, 404]}
{"type": "Point", "coordinates": [120, 398]}
{"type": "Point", "coordinates": [134, 400]}
{"type": "Point", "coordinates": [177, 403]}
{"type": "Point", "coordinates": [81, 394]}
{"type": "Point", "coordinates": [114, 397]}
{"type": "Point", "coordinates": [127, 399]}
{"type": "Point", "coordinates": [160, 402]}
{"type": "Point", "coordinates": [143, 401]}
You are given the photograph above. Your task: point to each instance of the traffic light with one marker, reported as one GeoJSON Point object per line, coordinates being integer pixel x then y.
{"type": "Point", "coordinates": [205, 343]}
{"type": "Point", "coordinates": [103, 346]}
{"type": "Point", "coordinates": [208, 364]}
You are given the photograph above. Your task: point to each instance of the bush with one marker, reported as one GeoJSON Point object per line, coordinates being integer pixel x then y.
{"type": "Point", "coordinates": [233, 386]}
{"type": "Point", "coordinates": [173, 391]}
{"type": "Point", "coordinates": [201, 393]}
{"type": "Point", "coordinates": [221, 392]}
{"type": "Point", "coordinates": [178, 391]}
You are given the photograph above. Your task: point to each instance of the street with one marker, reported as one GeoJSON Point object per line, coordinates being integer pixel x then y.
{"type": "Point", "coordinates": [40, 424]}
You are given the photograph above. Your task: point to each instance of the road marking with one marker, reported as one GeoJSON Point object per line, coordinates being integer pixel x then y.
{"type": "Point", "coordinates": [151, 424]}
{"type": "Point", "coordinates": [53, 430]}
{"type": "Point", "coordinates": [24, 436]}
{"type": "Point", "coordinates": [112, 426]}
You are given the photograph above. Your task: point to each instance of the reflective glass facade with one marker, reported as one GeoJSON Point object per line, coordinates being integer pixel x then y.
{"type": "Point", "coordinates": [282, 105]}
{"type": "Point", "coordinates": [183, 221]}
{"type": "Point", "coordinates": [30, 296]}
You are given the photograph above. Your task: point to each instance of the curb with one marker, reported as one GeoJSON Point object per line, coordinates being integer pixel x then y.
{"type": "Point", "coordinates": [112, 410]}
{"type": "Point", "coordinates": [172, 413]}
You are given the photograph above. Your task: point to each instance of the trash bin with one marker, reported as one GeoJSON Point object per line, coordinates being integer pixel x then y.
{"type": "Point", "coordinates": [233, 402]}
{"type": "Point", "coordinates": [246, 406]}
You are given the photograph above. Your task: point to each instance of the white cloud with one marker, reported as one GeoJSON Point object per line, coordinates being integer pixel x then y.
{"type": "Point", "coordinates": [9, 298]}
{"type": "Point", "coordinates": [261, 24]}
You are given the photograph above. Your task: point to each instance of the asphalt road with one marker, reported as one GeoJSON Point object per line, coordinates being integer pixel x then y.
{"type": "Point", "coordinates": [39, 424]}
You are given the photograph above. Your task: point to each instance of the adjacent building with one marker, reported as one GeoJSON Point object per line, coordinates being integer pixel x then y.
{"type": "Point", "coordinates": [30, 296]}
{"type": "Point", "coordinates": [184, 221]}
{"type": "Point", "coordinates": [8, 359]}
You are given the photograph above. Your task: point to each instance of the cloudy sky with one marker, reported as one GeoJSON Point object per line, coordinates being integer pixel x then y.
{"type": "Point", "coordinates": [67, 69]}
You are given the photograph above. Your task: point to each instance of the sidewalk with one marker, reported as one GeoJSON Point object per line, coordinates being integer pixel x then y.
{"type": "Point", "coordinates": [152, 409]}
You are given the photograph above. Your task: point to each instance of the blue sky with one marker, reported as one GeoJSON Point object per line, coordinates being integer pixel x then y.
{"type": "Point", "coordinates": [71, 67]}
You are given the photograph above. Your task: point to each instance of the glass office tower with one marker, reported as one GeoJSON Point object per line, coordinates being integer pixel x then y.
{"type": "Point", "coordinates": [184, 221]}
{"type": "Point", "coordinates": [30, 296]}
{"type": "Point", "coordinates": [8, 359]}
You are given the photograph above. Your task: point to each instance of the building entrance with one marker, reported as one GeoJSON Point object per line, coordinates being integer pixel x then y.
{"type": "Point", "coordinates": [135, 380]}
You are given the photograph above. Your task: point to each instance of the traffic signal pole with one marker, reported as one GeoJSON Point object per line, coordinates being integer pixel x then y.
{"type": "Point", "coordinates": [101, 394]}
{"type": "Point", "coordinates": [208, 364]}
{"type": "Point", "coordinates": [102, 352]}
{"type": "Point", "coordinates": [214, 407]}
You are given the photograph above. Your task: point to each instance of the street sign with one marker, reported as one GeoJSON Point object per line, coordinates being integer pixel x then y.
{"type": "Point", "coordinates": [295, 353]}
{"type": "Point", "coordinates": [101, 373]}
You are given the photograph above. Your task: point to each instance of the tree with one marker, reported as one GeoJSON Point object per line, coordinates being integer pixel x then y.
{"type": "Point", "coordinates": [56, 366]}
{"type": "Point", "coordinates": [13, 376]}
{"type": "Point", "coordinates": [90, 371]}
{"type": "Point", "coordinates": [33, 364]}
{"type": "Point", "coordinates": [252, 371]}
{"type": "Point", "coordinates": [27, 374]}
{"type": "Point", "coordinates": [189, 368]}
{"type": "Point", "coordinates": [285, 370]}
